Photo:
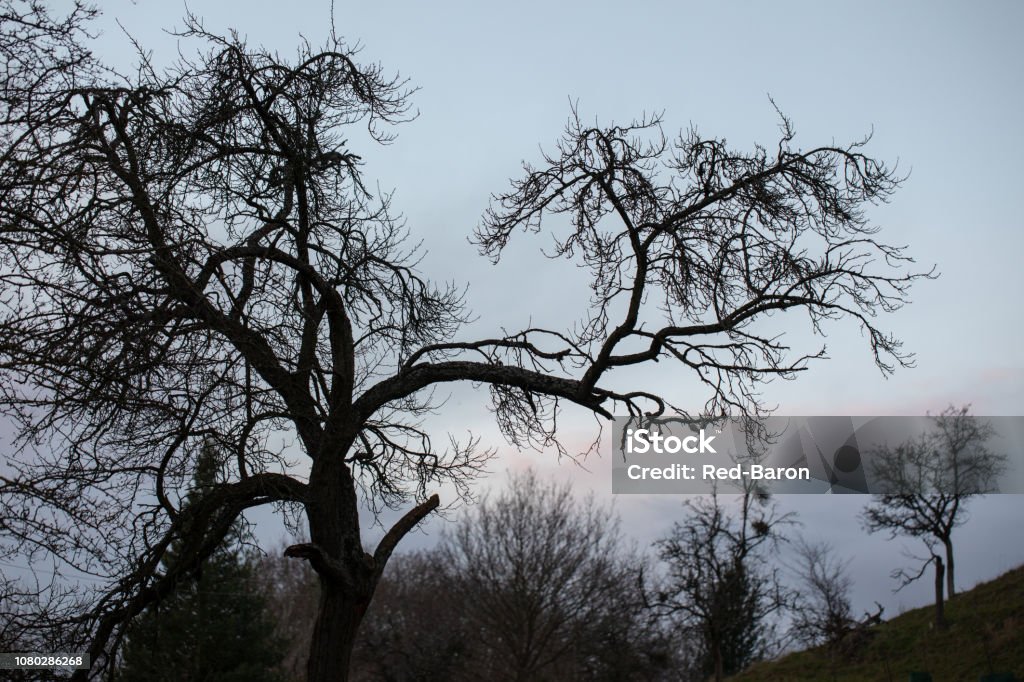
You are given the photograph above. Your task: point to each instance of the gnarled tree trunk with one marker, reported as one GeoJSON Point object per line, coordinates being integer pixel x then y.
{"type": "Point", "coordinates": [348, 575]}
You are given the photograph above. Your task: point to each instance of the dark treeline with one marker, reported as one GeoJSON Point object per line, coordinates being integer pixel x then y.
{"type": "Point", "coordinates": [535, 583]}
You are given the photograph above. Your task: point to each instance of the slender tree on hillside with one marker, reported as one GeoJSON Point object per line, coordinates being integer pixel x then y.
{"type": "Point", "coordinates": [928, 482]}
{"type": "Point", "coordinates": [194, 254]}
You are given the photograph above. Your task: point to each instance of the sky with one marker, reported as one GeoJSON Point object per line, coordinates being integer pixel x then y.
{"type": "Point", "coordinates": [939, 84]}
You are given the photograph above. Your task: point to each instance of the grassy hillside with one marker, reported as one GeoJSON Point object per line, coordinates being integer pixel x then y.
{"type": "Point", "coordinates": [985, 624]}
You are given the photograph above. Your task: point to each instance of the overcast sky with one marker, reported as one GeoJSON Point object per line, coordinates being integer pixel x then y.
{"type": "Point", "coordinates": [940, 84]}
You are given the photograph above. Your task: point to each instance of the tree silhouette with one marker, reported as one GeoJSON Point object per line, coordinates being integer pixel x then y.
{"type": "Point", "coordinates": [550, 589]}
{"type": "Point", "coordinates": [193, 255]}
{"type": "Point", "coordinates": [717, 585]}
{"type": "Point", "coordinates": [927, 483]}
{"type": "Point", "coordinates": [821, 609]}
{"type": "Point", "coordinates": [213, 626]}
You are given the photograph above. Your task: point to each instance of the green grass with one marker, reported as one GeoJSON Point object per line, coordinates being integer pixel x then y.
{"type": "Point", "coordinates": [985, 624]}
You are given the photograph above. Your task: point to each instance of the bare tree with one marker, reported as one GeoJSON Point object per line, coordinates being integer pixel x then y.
{"type": "Point", "coordinates": [821, 609]}
{"type": "Point", "coordinates": [194, 254]}
{"type": "Point", "coordinates": [719, 584]}
{"type": "Point", "coordinates": [550, 589]}
{"type": "Point", "coordinates": [928, 482]}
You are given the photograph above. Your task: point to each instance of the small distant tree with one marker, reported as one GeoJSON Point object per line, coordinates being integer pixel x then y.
{"type": "Point", "coordinates": [213, 626]}
{"type": "Point", "coordinates": [928, 482]}
{"type": "Point", "coordinates": [821, 609]}
{"type": "Point", "coordinates": [719, 584]}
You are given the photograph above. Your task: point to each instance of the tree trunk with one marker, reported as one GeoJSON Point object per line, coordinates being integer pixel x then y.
{"type": "Point", "coordinates": [940, 612]}
{"type": "Point", "coordinates": [336, 554]}
{"type": "Point", "coordinates": [348, 575]}
{"type": "Point", "coordinates": [334, 635]}
{"type": "Point", "coordinates": [950, 589]}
